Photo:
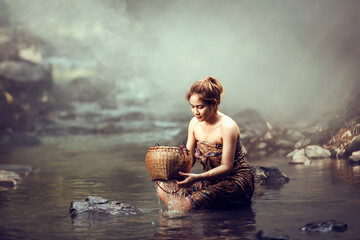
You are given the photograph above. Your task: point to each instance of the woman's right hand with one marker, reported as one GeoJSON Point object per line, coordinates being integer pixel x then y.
{"type": "Point", "coordinates": [190, 179]}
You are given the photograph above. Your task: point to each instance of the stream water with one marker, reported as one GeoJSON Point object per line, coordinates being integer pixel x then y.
{"type": "Point", "coordinates": [72, 168]}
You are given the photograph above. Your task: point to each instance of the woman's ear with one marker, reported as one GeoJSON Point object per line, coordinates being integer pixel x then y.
{"type": "Point", "coordinates": [215, 104]}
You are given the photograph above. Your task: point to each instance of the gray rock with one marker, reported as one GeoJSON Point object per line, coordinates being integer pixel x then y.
{"type": "Point", "coordinates": [325, 226]}
{"type": "Point", "coordinates": [291, 154]}
{"type": "Point", "coordinates": [355, 157]}
{"type": "Point", "coordinates": [300, 160]}
{"type": "Point", "coordinates": [8, 179]}
{"type": "Point", "coordinates": [269, 175]}
{"type": "Point", "coordinates": [353, 146]}
{"type": "Point", "coordinates": [294, 135]}
{"type": "Point", "coordinates": [18, 168]}
{"type": "Point", "coordinates": [23, 71]}
{"type": "Point", "coordinates": [97, 211]}
{"type": "Point", "coordinates": [302, 143]}
{"type": "Point", "coordinates": [312, 151]}
{"type": "Point", "coordinates": [261, 146]}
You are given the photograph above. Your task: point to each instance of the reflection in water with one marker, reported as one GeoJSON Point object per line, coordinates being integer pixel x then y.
{"type": "Point", "coordinates": [207, 224]}
{"type": "Point", "coordinates": [345, 171]}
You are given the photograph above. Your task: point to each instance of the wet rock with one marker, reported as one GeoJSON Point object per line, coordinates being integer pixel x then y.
{"type": "Point", "coordinates": [300, 160]}
{"type": "Point", "coordinates": [353, 146]}
{"type": "Point", "coordinates": [97, 210]}
{"type": "Point", "coordinates": [8, 180]}
{"type": "Point", "coordinates": [266, 235]}
{"type": "Point", "coordinates": [23, 71]}
{"type": "Point", "coordinates": [355, 158]}
{"type": "Point", "coordinates": [294, 135]}
{"type": "Point", "coordinates": [261, 146]}
{"type": "Point", "coordinates": [292, 153]}
{"type": "Point", "coordinates": [268, 136]}
{"type": "Point", "coordinates": [312, 151]}
{"type": "Point", "coordinates": [325, 226]}
{"type": "Point", "coordinates": [269, 175]}
{"type": "Point", "coordinates": [302, 143]}
{"type": "Point", "coordinates": [18, 168]}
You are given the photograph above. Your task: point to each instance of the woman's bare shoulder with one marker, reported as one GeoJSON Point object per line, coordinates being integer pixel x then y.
{"type": "Point", "coordinates": [228, 124]}
{"type": "Point", "coordinates": [193, 122]}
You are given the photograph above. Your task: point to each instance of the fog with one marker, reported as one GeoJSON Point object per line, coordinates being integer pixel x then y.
{"type": "Point", "coordinates": [288, 59]}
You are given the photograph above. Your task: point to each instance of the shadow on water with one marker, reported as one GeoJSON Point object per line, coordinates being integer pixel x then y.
{"type": "Point", "coordinates": [77, 167]}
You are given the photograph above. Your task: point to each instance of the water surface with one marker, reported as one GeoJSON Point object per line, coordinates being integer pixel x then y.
{"type": "Point", "coordinates": [72, 168]}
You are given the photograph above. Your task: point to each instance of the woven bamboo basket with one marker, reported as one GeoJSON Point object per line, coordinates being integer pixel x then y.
{"type": "Point", "coordinates": [164, 163]}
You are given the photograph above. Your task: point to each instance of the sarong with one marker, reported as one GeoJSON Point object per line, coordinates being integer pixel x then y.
{"type": "Point", "coordinates": [235, 189]}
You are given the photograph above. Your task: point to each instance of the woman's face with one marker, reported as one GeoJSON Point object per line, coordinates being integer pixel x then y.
{"type": "Point", "coordinates": [200, 109]}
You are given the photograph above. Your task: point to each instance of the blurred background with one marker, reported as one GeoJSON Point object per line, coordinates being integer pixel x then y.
{"type": "Point", "coordinates": [289, 60]}
{"type": "Point", "coordinates": [87, 86]}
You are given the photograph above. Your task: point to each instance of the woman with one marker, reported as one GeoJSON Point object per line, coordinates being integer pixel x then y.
{"type": "Point", "coordinates": [214, 140]}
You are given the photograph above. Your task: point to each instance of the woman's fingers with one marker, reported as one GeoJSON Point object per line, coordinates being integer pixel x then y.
{"type": "Point", "coordinates": [182, 174]}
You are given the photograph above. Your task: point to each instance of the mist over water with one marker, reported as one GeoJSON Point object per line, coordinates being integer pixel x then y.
{"type": "Point", "coordinates": [287, 59]}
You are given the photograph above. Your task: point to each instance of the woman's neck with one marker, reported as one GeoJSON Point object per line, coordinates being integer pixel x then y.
{"type": "Point", "coordinates": [213, 119]}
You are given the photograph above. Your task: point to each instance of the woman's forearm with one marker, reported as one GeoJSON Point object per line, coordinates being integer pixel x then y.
{"type": "Point", "coordinates": [215, 173]}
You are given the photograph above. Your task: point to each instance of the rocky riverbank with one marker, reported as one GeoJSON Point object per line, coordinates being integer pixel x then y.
{"type": "Point", "coordinates": [40, 94]}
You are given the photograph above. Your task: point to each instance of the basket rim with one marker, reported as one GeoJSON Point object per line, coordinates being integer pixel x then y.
{"type": "Point", "coordinates": [154, 147]}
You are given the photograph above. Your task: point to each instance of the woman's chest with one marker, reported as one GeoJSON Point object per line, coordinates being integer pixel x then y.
{"type": "Point", "coordinates": [208, 134]}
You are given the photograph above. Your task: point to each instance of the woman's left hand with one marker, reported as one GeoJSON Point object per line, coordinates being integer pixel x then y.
{"type": "Point", "coordinates": [190, 179]}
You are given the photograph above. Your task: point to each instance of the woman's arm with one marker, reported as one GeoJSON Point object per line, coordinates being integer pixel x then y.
{"type": "Point", "coordinates": [191, 141]}
{"type": "Point", "coordinates": [230, 134]}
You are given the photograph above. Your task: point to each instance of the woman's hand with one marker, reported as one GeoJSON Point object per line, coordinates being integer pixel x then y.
{"type": "Point", "coordinates": [190, 179]}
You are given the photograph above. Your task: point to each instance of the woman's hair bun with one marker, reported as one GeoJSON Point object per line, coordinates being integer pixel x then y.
{"type": "Point", "coordinates": [215, 82]}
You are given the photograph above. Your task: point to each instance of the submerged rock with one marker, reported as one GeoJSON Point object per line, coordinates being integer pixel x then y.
{"type": "Point", "coordinates": [8, 180]}
{"type": "Point", "coordinates": [325, 226]}
{"type": "Point", "coordinates": [269, 175]}
{"type": "Point", "coordinates": [18, 168]}
{"type": "Point", "coordinates": [97, 211]}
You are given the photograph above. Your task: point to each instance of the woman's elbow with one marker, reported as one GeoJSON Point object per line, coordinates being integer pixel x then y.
{"type": "Point", "coordinates": [227, 169]}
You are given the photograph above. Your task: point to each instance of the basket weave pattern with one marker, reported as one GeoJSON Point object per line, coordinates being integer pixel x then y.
{"type": "Point", "coordinates": [164, 163]}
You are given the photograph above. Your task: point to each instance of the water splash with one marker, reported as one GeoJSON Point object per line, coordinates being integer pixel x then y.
{"type": "Point", "coordinates": [175, 196]}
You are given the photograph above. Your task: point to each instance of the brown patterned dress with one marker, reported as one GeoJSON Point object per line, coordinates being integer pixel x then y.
{"type": "Point", "coordinates": [235, 189]}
